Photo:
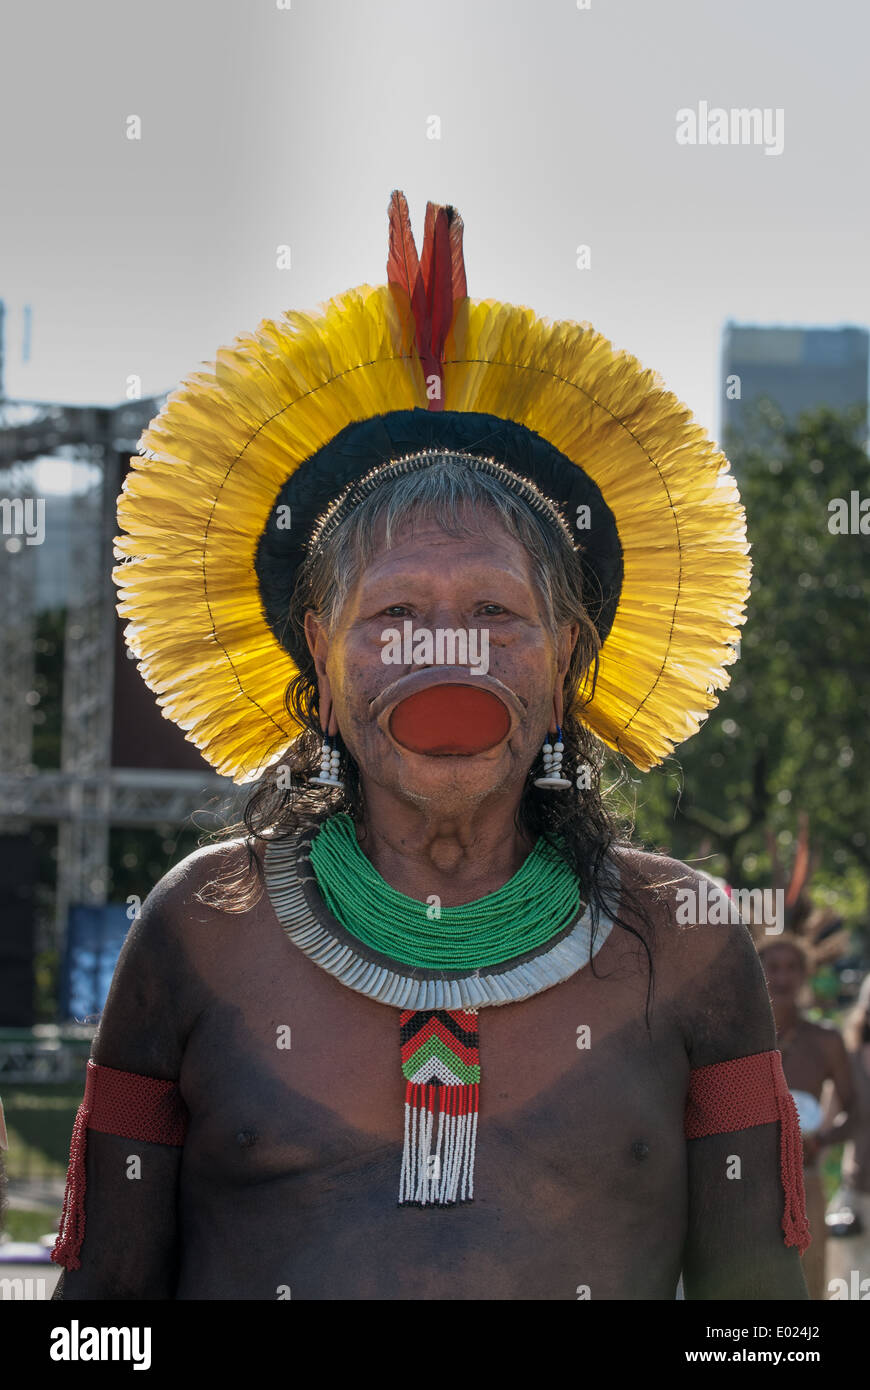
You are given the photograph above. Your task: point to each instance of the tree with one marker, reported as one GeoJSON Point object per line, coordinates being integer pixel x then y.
{"type": "Point", "coordinates": [790, 733]}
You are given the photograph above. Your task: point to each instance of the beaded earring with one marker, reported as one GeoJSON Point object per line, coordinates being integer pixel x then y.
{"type": "Point", "coordinates": [552, 777]}
{"type": "Point", "coordinates": [330, 763]}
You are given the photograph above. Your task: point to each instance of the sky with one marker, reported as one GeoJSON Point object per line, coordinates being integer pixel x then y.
{"type": "Point", "coordinates": [264, 126]}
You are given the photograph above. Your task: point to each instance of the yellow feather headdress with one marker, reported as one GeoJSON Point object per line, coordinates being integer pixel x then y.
{"type": "Point", "coordinates": [294, 411]}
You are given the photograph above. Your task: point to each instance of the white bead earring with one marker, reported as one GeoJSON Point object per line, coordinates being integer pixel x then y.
{"type": "Point", "coordinates": [330, 763]}
{"type": "Point", "coordinates": [552, 777]}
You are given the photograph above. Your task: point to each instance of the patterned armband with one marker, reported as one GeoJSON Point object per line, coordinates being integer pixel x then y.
{"type": "Point", "coordinates": [740, 1094]}
{"type": "Point", "coordinates": [115, 1102]}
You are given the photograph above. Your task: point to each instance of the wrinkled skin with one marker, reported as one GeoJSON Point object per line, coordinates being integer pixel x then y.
{"type": "Point", "coordinates": [443, 823]}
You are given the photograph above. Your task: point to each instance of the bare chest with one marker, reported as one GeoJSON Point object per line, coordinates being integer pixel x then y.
{"type": "Point", "coordinates": [289, 1074]}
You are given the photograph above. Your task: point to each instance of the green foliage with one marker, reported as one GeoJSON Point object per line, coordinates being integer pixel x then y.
{"type": "Point", "coordinates": [790, 733]}
{"type": "Point", "coordinates": [139, 858]}
{"type": "Point", "coordinates": [39, 1121]}
{"type": "Point", "coordinates": [30, 1224]}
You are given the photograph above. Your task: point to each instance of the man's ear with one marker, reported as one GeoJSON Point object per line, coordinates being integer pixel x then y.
{"type": "Point", "coordinates": [318, 645]}
{"type": "Point", "coordinates": [567, 642]}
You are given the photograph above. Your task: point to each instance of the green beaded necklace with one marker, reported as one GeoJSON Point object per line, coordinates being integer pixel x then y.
{"type": "Point", "coordinates": [539, 901]}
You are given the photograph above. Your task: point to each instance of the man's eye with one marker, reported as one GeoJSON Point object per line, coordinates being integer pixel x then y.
{"type": "Point", "coordinates": [396, 610]}
{"type": "Point", "coordinates": [493, 608]}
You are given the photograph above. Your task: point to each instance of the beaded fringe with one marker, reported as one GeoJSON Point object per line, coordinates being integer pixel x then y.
{"type": "Point", "coordinates": [439, 1172]}
{"type": "Point", "coordinates": [441, 1067]}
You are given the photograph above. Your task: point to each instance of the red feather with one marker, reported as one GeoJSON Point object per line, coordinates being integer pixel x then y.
{"type": "Point", "coordinates": [434, 282]}
{"type": "Point", "coordinates": [800, 872]}
{"type": "Point", "coordinates": [455, 226]}
{"type": "Point", "coordinates": [403, 267]}
{"type": "Point", "coordinates": [439, 283]}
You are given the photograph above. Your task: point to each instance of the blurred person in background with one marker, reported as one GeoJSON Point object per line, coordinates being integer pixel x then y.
{"type": "Point", "coordinates": [812, 1055]}
{"type": "Point", "coordinates": [849, 1212]}
{"type": "Point", "coordinates": [806, 938]}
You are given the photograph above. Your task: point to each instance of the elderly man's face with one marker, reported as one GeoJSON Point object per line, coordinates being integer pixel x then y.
{"type": "Point", "coordinates": [438, 581]}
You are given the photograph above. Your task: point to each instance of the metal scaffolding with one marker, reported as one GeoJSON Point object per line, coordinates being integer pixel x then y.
{"type": "Point", "coordinates": [85, 797]}
{"type": "Point", "coordinates": [17, 583]}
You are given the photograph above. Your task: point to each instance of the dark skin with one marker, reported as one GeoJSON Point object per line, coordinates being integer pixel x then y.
{"type": "Point", "coordinates": [289, 1176]}
{"type": "Point", "coordinates": [811, 1054]}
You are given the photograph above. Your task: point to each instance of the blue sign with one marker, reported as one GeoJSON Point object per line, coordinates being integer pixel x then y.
{"type": "Point", "coordinates": [94, 939]}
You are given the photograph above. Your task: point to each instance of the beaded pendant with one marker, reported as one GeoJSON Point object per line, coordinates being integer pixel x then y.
{"type": "Point", "coordinates": [438, 1019]}
{"type": "Point", "coordinates": [441, 1065]}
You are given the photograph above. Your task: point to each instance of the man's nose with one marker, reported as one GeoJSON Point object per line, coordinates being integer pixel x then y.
{"type": "Point", "coordinates": [449, 612]}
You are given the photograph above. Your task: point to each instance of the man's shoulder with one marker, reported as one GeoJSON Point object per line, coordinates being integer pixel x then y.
{"type": "Point", "coordinates": [709, 968]}
{"type": "Point", "coordinates": [652, 870]}
{"type": "Point", "coordinates": [677, 896]}
{"type": "Point", "coordinates": [699, 940]}
{"type": "Point", "coordinates": [191, 908]}
{"type": "Point", "coordinates": [215, 878]}
{"type": "Point", "coordinates": [157, 990]}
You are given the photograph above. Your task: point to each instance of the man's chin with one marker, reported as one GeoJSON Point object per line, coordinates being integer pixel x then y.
{"type": "Point", "coordinates": [450, 781]}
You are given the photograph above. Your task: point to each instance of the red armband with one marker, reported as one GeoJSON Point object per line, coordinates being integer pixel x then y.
{"type": "Point", "coordinates": [122, 1103]}
{"type": "Point", "coordinates": [751, 1091]}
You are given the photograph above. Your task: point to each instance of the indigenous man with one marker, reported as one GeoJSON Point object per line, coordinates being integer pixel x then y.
{"type": "Point", "coordinates": [849, 1213]}
{"type": "Point", "coordinates": [812, 1055]}
{"type": "Point", "coordinates": [412, 565]}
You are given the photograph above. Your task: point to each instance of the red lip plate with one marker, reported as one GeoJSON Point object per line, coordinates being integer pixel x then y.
{"type": "Point", "coordinates": [450, 720]}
